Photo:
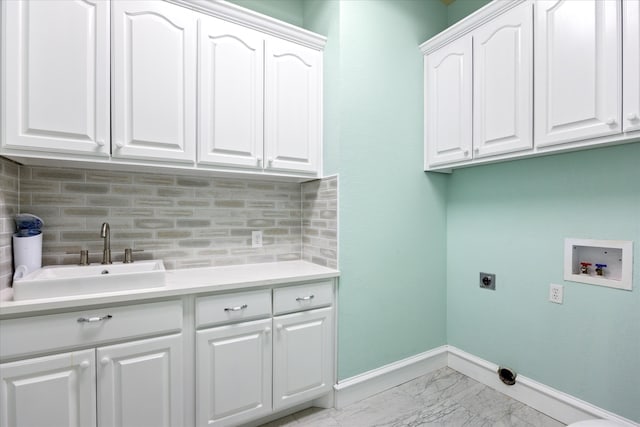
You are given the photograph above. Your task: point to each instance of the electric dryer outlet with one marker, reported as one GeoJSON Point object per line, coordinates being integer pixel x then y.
{"type": "Point", "coordinates": [488, 281]}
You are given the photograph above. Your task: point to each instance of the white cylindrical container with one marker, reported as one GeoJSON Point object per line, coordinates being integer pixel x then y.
{"type": "Point", "coordinates": [27, 251]}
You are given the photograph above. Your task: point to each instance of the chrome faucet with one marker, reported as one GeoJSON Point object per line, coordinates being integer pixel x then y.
{"type": "Point", "coordinates": [105, 233]}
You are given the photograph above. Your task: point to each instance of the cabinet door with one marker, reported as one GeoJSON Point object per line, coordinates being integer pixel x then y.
{"type": "Point", "coordinates": [230, 94]}
{"type": "Point", "coordinates": [54, 391]}
{"type": "Point", "coordinates": [503, 84]}
{"type": "Point", "coordinates": [302, 356]}
{"type": "Point", "coordinates": [56, 76]}
{"type": "Point", "coordinates": [233, 373]}
{"type": "Point", "coordinates": [577, 70]}
{"type": "Point", "coordinates": [141, 383]}
{"type": "Point", "coordinates": [448, 103]}
{"type": "Point", "coordinates": [154, 82]}
{"type": "Point", "coordinates": [293, 88]}
{"type": "Point", "coordinates": [631, 65]}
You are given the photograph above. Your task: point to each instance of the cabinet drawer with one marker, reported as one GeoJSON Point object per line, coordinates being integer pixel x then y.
{"type": "Point", "coordinates": [302, 297]}
{"type": "Point", "coordinates": [234, 307]}
{"type": "Point", "coordinates": [53, 332]}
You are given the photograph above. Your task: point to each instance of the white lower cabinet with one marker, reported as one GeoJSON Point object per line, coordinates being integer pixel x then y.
{"type": "Point", "coordinates": [56, 390]}
{"type": "Point", "coordinates": [302, 356]}
{"type": "Point", "coordinates": [233, 366]}
{"type": "Point", "coordinates": [135, 383]}
{"type": "Point", "coordinates": [233, 357]}
{"type": "Point", "coordinates": [140, 383]}
{"type": "Point", "coordinates": [250, 364]}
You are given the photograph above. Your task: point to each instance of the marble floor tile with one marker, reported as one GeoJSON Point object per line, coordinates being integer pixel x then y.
{"type": "Point", "coordinates": [444, 398]}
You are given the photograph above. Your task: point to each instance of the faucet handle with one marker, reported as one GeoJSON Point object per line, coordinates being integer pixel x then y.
{"type": "Point", "coordinates": [84, 256]}
{"type": "Point", "coordinates": [128, 254]}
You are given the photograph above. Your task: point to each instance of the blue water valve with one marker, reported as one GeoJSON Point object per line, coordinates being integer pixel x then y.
{"type": "Point", "coordinates": [600, 269]}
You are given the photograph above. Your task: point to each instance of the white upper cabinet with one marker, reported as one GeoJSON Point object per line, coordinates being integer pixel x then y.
{"type": "Point", "coordinates": [231, 70]}
{"type": "Point", "coordinates": [547, 76]}
{"type": "Point", "coordinates": [631, 65]}
{"type": "Point", "coordinates": [293, 93]}
{"type": "Point", "coordinates": [55, 92]}
{"type": "Point", "coordinates": [503, 84]}
{"type": "Point", "coordinates": [448, 107]}
{"type": "Point", "coordinates": [577, 70]}
{"type": "Point", "coordinates": [125, 83]}
{"type": "Point", "coordinates": [154, 81]}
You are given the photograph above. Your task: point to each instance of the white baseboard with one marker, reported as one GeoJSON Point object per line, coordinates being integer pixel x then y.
{"type": "Point", "coordinates": [558, 405]}
{"type": "Point", "coordinates": [378, 380]}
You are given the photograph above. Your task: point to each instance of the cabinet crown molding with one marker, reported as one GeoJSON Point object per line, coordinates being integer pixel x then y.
{"type": "Point", "coordinates": [257, 21]}
{"type": "Point", "coordinates": [468, 24]}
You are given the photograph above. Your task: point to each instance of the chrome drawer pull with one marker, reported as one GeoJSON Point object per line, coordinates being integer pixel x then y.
{"type": "Point", "coordinates": [307, 298]}
{"type": "Point", "coordinates": [241, 307]}
{"type": "Point", "coordinates": [94, 319]}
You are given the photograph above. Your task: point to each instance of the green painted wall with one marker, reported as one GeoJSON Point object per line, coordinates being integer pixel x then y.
{"type": "Point", "coordinates": [290, 11]}
{"type": "Point", "coordinates": [461, 8]}
{"type": "Point", "coordinates": [511, 219]}
{"type": "Point", "coordinates": [323, 17]}
{"type": "Point", "coordinates": [392, 215]}
{"type": "Point", "coordinates": [392, 294]}
{"type": "Point", "coordinates": [399, 226]}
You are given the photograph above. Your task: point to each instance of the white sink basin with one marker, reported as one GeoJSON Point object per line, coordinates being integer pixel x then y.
{"type": "Point", "coordinates": [67, 280]}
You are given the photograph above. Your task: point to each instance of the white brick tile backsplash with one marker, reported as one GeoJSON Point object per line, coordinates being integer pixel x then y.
{"type": "Point", "coordinates": [185, 221]}
{"type": "Point", "coordinates": [9, 203]}
{"type": "Point", "coordinates": [319, 221]}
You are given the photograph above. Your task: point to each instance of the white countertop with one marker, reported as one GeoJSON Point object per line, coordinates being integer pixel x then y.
{"type": "Point", "coordinates": [182, 282]}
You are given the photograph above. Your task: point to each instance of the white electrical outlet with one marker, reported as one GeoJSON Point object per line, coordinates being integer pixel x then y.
{"type": "Point", "coordinates": [556, 293]}
{"type": "Point", "coordinates": [256, 239]}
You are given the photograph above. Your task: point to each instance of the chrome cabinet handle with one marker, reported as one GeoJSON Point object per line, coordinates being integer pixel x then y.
{"type": "Point", "coordinates": [307, 298]}
{"type": "Point", "coordinates": [238, 308]}
{"type": "Point", "coordinates": [94, 319]}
